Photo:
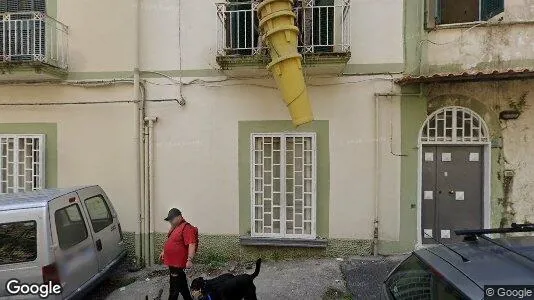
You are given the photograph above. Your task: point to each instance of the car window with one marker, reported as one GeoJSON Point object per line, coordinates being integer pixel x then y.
{"type": "Point", "coordinates": [70, 226]}
{"type": "Point", "coordinates": [98, 212]}
{"type": "Point", "coordinates": [414, 280]}
{"type": "Point", "coordinates": [18, 242]}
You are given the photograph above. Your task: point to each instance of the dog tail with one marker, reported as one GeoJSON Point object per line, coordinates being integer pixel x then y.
{"type": "Point", "coordinates": [257, 270]}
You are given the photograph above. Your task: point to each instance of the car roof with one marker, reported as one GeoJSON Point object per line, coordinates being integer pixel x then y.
{"type": "Point", "coordinates": [34, 199]}
{"type": "Point", "coordinates": [488, 263]}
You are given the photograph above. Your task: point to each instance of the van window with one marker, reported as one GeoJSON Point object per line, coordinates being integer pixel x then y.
{"type": "Point", "coordinates": [414, 280]}
{"type": "Point", "coordinates": [18, 242]}
{"type": "Point", "coordinates": [98, 212]}
{"type": "Point", "coordinates": [70, 226]}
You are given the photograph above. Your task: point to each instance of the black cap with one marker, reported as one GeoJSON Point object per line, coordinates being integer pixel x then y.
{"type": "Point", "coordinates": [173, 213]}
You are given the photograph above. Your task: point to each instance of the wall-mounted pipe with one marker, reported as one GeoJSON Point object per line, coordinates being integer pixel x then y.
{"type": "Point", "coordinates": [277, 23]}
{"type": "Point", "coordinates": [139, 118]}
{"type": "Point", "coordinates": [150, 187]}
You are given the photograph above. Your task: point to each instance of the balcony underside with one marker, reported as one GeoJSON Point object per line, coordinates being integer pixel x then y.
{"type": "Point", "coordinates": [255, 65]}
{"type": "Point", "coordinates": [30, 72]}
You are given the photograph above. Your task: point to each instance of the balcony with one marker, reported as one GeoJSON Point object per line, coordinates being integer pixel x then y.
{"type": "Point", "coordinates": [33, 47]}
{"type": "Point", "coordinates": [324, 38]}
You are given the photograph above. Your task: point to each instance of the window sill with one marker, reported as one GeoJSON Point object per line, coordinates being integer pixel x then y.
{"type": "Point", "coordinates": [309, 59]}
{"type": "Point", "coordinates": [283, 242]}
{"type": "Point", "coordinates": [478, 24]}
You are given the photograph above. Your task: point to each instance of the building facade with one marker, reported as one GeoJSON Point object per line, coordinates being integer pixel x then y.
{"type": "Point", "coordinates": [168, 103]}
{"type": "Point", "coordinates": [466, 115]}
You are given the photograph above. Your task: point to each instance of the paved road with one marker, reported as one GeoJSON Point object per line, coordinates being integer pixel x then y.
{"type": "Point", "coordinates": [354, 278]}
{"type": "Point", "coordinates": [364, 275]}
{"type": "Point", "coordinates": [302, 279]}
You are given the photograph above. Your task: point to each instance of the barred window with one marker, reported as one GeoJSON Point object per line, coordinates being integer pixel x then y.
{"type": "Point", "coordinates": [283, 183]}
{"type": "Point", "coordinates": [21, 163]}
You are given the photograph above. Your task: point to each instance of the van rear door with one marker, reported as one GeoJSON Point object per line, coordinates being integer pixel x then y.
{"type": "Point", "coordinates": [104, 224]}
{"type": "Point", "coordinates": [72, 243]}
{"type": "Point", "coordinates": [21, 236]}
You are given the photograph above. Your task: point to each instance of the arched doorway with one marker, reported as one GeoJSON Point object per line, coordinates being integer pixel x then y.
{"type": "Point", "coordinates": [454, 174]}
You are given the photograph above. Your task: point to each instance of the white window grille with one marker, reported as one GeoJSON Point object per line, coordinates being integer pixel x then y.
{"type": "Point", "coordinates": [454, 125]}
{"type": "Point", "coordinates": [283, 185]}
{"type": "Point", "coordinates": [21, 163]}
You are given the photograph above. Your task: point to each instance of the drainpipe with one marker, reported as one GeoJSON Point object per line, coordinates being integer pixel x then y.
{"type": "Point", "coordinates": [140, 115]}
{"type": "Point", "coordinates": [146, 210]}
{"type": "Point", "coordinates": [150, 206]}
{"type": "Point", "coordinates": [377, 175]}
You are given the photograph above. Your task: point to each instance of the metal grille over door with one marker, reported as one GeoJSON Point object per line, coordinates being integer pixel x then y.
{"type": "Point", "coordinates": [454, 125]}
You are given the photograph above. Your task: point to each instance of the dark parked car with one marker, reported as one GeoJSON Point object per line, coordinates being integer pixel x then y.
{"type": "Point", "coordinates": [470, 269]}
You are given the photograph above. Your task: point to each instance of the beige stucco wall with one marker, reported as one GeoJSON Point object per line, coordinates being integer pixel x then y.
{"type": "Point", "coordinates": [517, 138]}
{"type": "Point", "coordinates": [102, 34]}
{"type": "Point", "coordinates": [95, 142]}
{"type": "Point", "coordinates": [477, 47]}
{"type": "Point", "coordinates": [196, 151]}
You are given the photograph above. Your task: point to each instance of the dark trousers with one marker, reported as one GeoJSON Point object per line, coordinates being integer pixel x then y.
{"type": "Point", "coordinates": [178, 282]}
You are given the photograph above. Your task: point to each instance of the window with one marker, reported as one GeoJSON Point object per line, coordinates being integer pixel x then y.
{"type": "Point", "coordinates": [414, 280]}
{"type": "Point", "coordinates": [283, 185]}
{"type": "Point", "coordinates": [21, 163]}
{"type": "Point", "coordinates": [22, 5]}
{"type": "Point", "coordinates": [315, 19]}
{"type": "Point", "coordinates": [98, 212]}
{"type": "Point", "coordinates": [18, 242]}
{"type": "Point", "coordinates": [70, 226]}
{"type": "Point", "coordinates": [464, 11]}
{"type": "Point", "coordinates": [454, 124]}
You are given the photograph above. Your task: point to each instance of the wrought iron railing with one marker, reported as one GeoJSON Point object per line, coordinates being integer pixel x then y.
{"type": "Point", "coordinates": [33, 37]}
{"type": "Point", "coordinates": [324, 27]}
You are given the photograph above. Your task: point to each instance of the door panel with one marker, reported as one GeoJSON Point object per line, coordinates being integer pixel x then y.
{"type": "Point", "coordinates": [452, 191]}
{"type": "Point", "coordinates": [428, 197]}
{"type": "Point", "coordinates": [459, 183]}
{"type": "Point", "coordinates": [104, 224]}
{"type": "Point", "coordinates": [72, 243]}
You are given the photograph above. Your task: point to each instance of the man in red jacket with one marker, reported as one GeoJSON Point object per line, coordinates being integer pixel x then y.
{"type": "Point", "coordinates": [178, 253]}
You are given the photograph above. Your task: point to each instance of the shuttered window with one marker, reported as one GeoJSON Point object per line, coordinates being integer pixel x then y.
{"type": "Point", "coordinates": [22, 5]}
{"type": "Point", "coordinates": [461, 11]}
{"type": "Point", "coordinates": [22, 36]}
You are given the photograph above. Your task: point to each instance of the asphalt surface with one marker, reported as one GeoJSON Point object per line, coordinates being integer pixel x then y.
{"type": "Point", "coordinates": [302, 279]}
{"type": "Point", "coordinates": [352, 278]}
{"type": "Point", "coordinates": [364, 275]}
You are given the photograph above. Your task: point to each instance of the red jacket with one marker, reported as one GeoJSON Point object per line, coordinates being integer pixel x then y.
{"type": "Point", "coordinates": [176, 248]}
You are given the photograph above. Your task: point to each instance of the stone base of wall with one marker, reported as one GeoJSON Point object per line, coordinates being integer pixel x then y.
{"type": "Point", "coordinates": [227, 247]}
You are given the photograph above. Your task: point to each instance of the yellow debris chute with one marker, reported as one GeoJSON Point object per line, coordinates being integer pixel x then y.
{"type": "Point", "coordinates": [277, 23]}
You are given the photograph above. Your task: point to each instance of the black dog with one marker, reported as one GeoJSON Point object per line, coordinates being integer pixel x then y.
{"type": "Point", "coordinates": [226, 286]}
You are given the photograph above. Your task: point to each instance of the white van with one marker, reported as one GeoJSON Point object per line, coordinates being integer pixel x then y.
{"type": "Point", "coordinates": [58, 243]}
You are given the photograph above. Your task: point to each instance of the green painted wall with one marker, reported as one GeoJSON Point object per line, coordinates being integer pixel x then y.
{"type": "Point", "coordinates": [414, 33]}
{"type": "Point", "coordinates": [51, 8]}
{"type": "Point", "coordinates": [413, 114]}
{"type": "Point", "coordinates": [321, 128]}
{"type": "Point", "coordinates": [217, 248]}
{"type": "Point", "coordinates": [50, 132]}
